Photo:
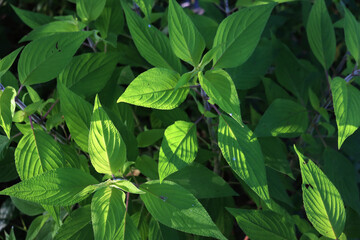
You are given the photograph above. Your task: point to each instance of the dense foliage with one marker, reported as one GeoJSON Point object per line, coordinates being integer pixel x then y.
{"type": "Point", "coordinates": [206, 119]}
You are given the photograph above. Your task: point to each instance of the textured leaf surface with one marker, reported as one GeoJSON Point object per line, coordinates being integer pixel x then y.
{"type": "Point", "coordinates": [36, 153]}
{"type": "Point", "coordinates": [263, 225]}
{"type": "Point", "coordinates": [177, 208]}
{"type": "Point", "coordinates": [185, 39]}
{"type": "Point", "coordinates": [283, 118]}
{"type": "Point", "coordinates": [106, 147]}
{"type": "Point", "coordinates": [155, 89]}
{"type": "Point", "coordinates": [219, 86]}
{"type": "Point", "coordinates": [62, 186]}
{"type": "Point", "coordinates": [77, 225]}
{"type": "Point", "coordinates": [88, 73]}
{"type": "Point", "coordinates": [195, 176]}
{"type": "Point", "coordinates": [7, 109]}
{"type": "Point", "coordinates": [152, 44]}
{"type": "Point", "coordinates": [352, 34]}
{"type": "Point", "coordinates": [342, 174]}
{"type": "Point", "coordinates": [242, 151]}
{"type": "Point", "coordinates": [321, 34]}
{"type": "Point", "coordinates": [89, 10]}
{"type": "Point", "coordinates": [178, 148]}
{"type": "Point", "coordinates": [107, 212]}
{"type": "Point", "coordinates": [77, 113]}
{"type": "Point", "coordinates": [346, 100]}
{"type": "Point", "coordinates": [240, 33]}
{"type": "Point", "coordinates": [43, 59]}
{"type": "Point", "coordinates": [7, 61]}
{"type": "Point", "coordinates": [322, 201]}
{"type": "Point", "coordinates": [125, 185]}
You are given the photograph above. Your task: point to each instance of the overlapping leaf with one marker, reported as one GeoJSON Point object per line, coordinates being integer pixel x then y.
{"type": "Point", "coordinates": [263, 225]}
{"type": "Point", "coordinates": [7, 109]}
{"type": "Point", "coordinates": [322, 201]}
{"type": "Point", "coordinates": [7, 61]}
{"type": "Point", "coordinates": [36, 153]}
{"type": "Point", "coordinates": [178, 148]}
{"type": "Point", "coordinates": [352, 34]}
{"type": "Point", "coordinates": [62, 186]}
{"type": "Point", "coordinates": [77, 113]}
{"type": "Point", "coordinates": [321, 34]}
{"type": "Point", "coordinates": [242, 151]}
{"type": "Point", "coordinates": [43, 59]}
{"type": "Point", "coordinates": [185, 39]}
{"type": "Point", "coordinates": [106, 147]}
{"type": "Point", "coordinates": [219, 86]}
{"type": "Point", "coordinates": [89, 10]}
{"type": "Point", "coordinates": [155, 89]}
{"type": "Point", "coordinates": [177, 208]}
{"type": "Point", "coordinates": [152, 44]}
{"type": "Point", "coordinates": [346, 99]}
{"type": "Point", "coordinates": [240, 33]}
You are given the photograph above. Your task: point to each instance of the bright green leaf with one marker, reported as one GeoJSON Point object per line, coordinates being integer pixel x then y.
{"type": "Point", "coordinates": [155, 89]}
{"type": "Point", "coordinates": [89, 10]}
{"type": "Point", "coordinates": [346, 100]}
{"type": "Point", "coordinates": [62, 186]}
{"type": "Point", "coordinates": [7, 61]}
{"type": "Point", "coordinates": [321, 34]}
{"type": "Point", "coordinates": [107, 212]}
{"type": "Point", "coordinates": [177, 208]}
{"type": "Point", "coordinates": [43, 59]}
{"type": "Point", "coordinates": [36, 153]}
{"type": "Point", "coordinates": [263, 225]}
{"type": "Point", "coordinates": [77, 113]}
{"type": "Point", "coordinates": [322, 201]}
{"type": "Point", "coordinates": [185, 39]}
{"type": "Point", "coordinates": [283, 118]}
{"type": "Point", "coordinates": [7, 109]}
{"type": "Point", "coordinates": [152, 44]}
{"type": "Point", "coordinates": [242, 151]}
{"type": "Point", "coordinates": [178, 148]}
{"type": "Point", "coordinates": [106, 147]}
{"type": "Point", "coordinates": [125, 185]}
{"type": "Point", "coordinates": [240, 33]}
{"type": "Point", "coordinates": [219, 86]}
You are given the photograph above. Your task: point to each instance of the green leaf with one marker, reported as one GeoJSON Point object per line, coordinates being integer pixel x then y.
{"type": "Point", "coordinates": [8, 169]}
{"type": "Point", "coordinates": [240, 33]}
{"type": "Point", "coordinates": [27, 207]}
{"type": "Point", "coordinates": [52, 28]}
{"type": "Point", "coordinates": [195, 176]}
{"type": "Point", "coordinates": [7, 61]}
{"type": "Point", "coordinates": [207, 27]}
{"type": "Point", "coordinates": [322, 201]}
{"type": "Point", "coordinates": [321, 34]}
{"type": "Point", "coordinates": [125, 185]}
{"type": "Point", "coordinates": [84, 71]}
{"type": "Point", "coordinates": [106, 147]}
{"type": "Point", "coordinates": [77, 113]}
{"type": "Point", "coordinates": [219, 86]}
{"type": "Point", "coordinates": [283, 118]}
{"type": "Point", "coordinates": [35, 227]}
{"type": "Point", "coordinates": [155, 89]}
{"type": "Point", "coordinates": [263, 225]}
{"type": "Point", "coordinates": [89, 10]}
{"type": "Point", "coordinates": [147, 166]}
{"type": "Point", "coordinates": [185, 39]}
{"type": "Point", "coordinates": [152, 44]}
{"type": "Point", "coordinates": [77, 225]}
{"type": "Point", "coordinates": [107, 212]}
{"type": "Point", "coordinates": [36, 153]}
{"type": "Point", "coordinates": [7, 109]}
{"type": "Point", "coordinates": [242, 151]}
{"type": "Point", "coordinates": [43, 59]}
{"type": "Point", "coordinates": [150, 137]}
{"type": "Point", "coordinates": [352, 35]}
{"type": "Point", "coordinates": [30, 18]}
{"type": "Point", "coordinates": [177, 208]}
{"type": "Point", "coordinates": [342, 173]}
{"type": "Point", "coordinates": [111, 20]}
{"type": "Point", "coordinates": [62, 186]}
{"type": "Point", "coordinates": [146, 7]}
{"type": "Point", "coordinates": [346, 99]}
{"type": "Point", "coordinates": [178, 148]}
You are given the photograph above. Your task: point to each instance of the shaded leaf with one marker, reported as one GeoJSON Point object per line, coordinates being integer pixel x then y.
{"type": "Point", "coordinates": [7, 109]}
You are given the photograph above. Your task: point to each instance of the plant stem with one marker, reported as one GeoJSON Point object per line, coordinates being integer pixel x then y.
{"type": "Point", "coordinates": [52, 106]}
{"type": "Point", "coordinates": [20, 88]}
